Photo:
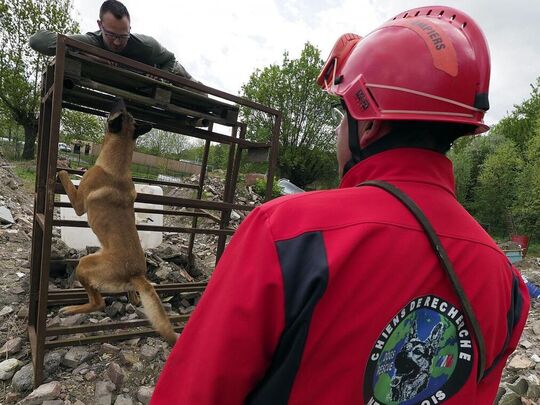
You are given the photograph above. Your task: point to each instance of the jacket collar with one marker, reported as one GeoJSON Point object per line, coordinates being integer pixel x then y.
{"type": "Point", "coordinates": [403, 165]}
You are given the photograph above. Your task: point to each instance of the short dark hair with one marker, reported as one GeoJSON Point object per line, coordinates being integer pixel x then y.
{"type": "Point", "coordinates": [114, 7]}
{"type": "Point", "coordinates": [436, 136]}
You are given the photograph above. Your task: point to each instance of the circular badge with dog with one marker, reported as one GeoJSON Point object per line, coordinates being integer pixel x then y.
{"type": "Point", "coordinates": [423, 356]}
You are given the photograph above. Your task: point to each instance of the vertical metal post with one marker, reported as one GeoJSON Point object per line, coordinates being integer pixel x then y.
{"type": "Point", "coordinates": [39, 206]}
{"type": "Point", "coordinates": [274, 149]}
{"type": "Point", "coordinates": [56, 111]}
{"type": "Point", "coordinates": [202, 176]}
{"type": "Point", "coordinates": [227, 197]}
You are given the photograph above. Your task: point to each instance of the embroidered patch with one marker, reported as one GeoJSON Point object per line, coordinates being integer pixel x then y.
{"type": "Point", "coordinates": [423, 356]}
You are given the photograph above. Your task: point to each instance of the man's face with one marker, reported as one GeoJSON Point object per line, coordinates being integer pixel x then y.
{"type": "Point", "coordinates": [115, 32]}
{"type": "Point", "coordinates": [367, 130]}
{"type": "Point", "coordinates": [342, 144]}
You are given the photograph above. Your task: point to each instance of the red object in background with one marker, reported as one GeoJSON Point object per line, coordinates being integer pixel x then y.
{"type": "Point", "coordinates": [523, 242]}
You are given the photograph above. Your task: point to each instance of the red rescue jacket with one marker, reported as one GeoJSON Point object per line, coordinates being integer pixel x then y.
{"type": "Point", "coordinates": [336, 297]}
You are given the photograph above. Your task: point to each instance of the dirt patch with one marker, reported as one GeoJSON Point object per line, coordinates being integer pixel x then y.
{"type": "Point", "coordinates": [127, 371]}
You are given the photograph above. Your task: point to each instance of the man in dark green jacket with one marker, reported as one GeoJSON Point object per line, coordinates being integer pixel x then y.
{"type": "Point", "coordinates": [114, 35]}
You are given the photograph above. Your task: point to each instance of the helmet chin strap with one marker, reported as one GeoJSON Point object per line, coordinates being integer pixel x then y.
{"type": "Point", "coordinates": [354, 143]}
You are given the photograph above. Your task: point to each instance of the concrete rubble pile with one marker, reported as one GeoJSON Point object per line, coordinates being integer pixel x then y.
{"type": "Point", "coordinates": [125, 372]}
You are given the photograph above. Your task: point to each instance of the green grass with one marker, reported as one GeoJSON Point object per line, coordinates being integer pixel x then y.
{"type": "Point", "coordinates": [26, 171]}
{"type": "Point", "coordinates": [534, 250]}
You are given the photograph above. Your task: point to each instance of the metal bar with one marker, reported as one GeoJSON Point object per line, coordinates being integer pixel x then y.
{"type": "Point", "coordinates": [226, 214]}
{"type": "Point", "coordinates": [153, 211]}
{"type": "Point", "coordinates": [232, 192]}
{"type": "Point", "coordinates": [274, 149]}
{"type": "Point", "coordinates": [170, 123]}
{"type": "Point", "coordinates": [84, 224]}
{"type": "Point", "coordinates": [39, 201]}
{"type": "Point", "coordinates": [138, 179]}
{"type": "Point", "coordinates": [175, 79]}
{"type": "Point", "coordinates": [40, 220]}
{"type": "Point", "coordinates": [46, 96]}
{"type": "Point", "coordinates": [149, 102]}
{"type": "Point", "coordinates": [104, 338]}
{"type": "Point", "coordinates": [49, 207]}
{"type": "Point", "coordinates": [180, 202]}
{"type": "Point", "coordinates": [136, 323]}
{"type": "Point", "coordinates": [237, 162]}
{"type": "Point", "coordinates": [32, 337]}
{"type": "Point", "coordinates": [192, 122]}
{"type": "Point", "coordinates": [160, 288]}
{"type": "Point", "coordinates": [198, 97]}
{"type": "Point", "coordinates": [200, 188]}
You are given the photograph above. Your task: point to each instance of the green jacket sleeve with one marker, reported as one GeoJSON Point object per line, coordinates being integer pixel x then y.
{"type": "Point", "coordinates": [45, 41]}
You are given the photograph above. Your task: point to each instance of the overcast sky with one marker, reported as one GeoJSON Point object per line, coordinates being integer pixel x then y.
{"type": "Point", "coordinates": [222, 42]}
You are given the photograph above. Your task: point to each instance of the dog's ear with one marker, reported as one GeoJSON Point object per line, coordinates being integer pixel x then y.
{"type": "Point", "coordinates": [118, 105]}
{"type": "Point", "coordinates": [114, 122]}
{"type": "Point", "coordinates": [141, 129]}
{"type": "Point", "coordinates": [115, 119]}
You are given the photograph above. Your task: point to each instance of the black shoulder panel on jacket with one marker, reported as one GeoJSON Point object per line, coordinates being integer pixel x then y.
{"type": "Point", "coordinates": [512, 318]}
{"type": "Point", "coordinates": [304, 268]}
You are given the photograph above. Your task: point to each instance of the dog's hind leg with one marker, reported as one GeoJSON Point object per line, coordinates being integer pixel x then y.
{"type": "Point", "coordinates": [96, 303]}
{"type": "Point", "coordinates": [134, 298]}
{"type": "Point", "coordinates": [87, 273]}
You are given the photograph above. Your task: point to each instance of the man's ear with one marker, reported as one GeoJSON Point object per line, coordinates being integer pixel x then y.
{"type": "Point", "coordinates": [141, 129]}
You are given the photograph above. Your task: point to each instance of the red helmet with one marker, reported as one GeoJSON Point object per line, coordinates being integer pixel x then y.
{"type": "Point", "coordinates": [425, 64]}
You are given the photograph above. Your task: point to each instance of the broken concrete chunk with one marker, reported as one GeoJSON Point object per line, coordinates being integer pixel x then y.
{"type": "Point", "coordinates": [75, 356]}
{"type": "Point", "coordinates": [8, 368]}
{"type": "Point", "coordinates": [11, 346]}
{"type": "Point", "coordinates": [144, 394]}
{"type": "Point", "coordinates": [43, 393]}
{"type": "Point", "coordinates": [5, 216]}
{"type": "Point", "coordinates": [116, 374]}
{"type": "Point", "coordinates": [521, 363]}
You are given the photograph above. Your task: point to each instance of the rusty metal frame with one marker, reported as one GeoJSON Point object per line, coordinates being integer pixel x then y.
{"type": "Point", "coordinates": [177, 106]}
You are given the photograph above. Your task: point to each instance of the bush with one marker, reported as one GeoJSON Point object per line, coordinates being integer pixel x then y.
{"type": "Point", "coordinates": [260, 188]}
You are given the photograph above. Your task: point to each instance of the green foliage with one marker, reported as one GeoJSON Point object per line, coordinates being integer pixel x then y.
{"type": "Point", "coordinates": [162, 143]}
{"type": "Point", "coordinates": [468, 155]}
{"type": "Point", "coordinates": [307, 128]}
{"type": "Point", "coordinates": [218, 155]}
{"type": "Point", "coordinates": [497, 183]}
{"type": "Point", "coordinates": [498, 175]}
{"type": "Point", "coordinates": [80, 126]}
{"type": "Point", "coordinates": [519, 124]}
{"type": "Point", "coordinates": [20, 66]}
{"type": "Point", "coordinates": [260, 188]}
{"type": "Point", "coordinates": [526, 211]}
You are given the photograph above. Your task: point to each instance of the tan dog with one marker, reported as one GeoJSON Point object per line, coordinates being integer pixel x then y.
{"type": "Point", "coordinates": [107, 194]}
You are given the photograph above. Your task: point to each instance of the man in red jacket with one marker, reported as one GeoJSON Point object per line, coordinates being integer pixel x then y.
{"type": "Point", "coordinates": [349, 296]}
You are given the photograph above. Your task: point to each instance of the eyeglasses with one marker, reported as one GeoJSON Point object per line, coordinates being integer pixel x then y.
{"type": "Point", "coordinates": [112, 35]}
{"type": "Point", "coordinates": [337, 114]}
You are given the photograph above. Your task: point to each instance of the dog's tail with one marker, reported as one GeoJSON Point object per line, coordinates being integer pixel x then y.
{"type": "Point", "coordinates": [153, 309]}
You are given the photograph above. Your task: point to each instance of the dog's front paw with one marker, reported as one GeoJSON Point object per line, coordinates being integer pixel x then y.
{"type": "Point", "coordinates": [63, 175]}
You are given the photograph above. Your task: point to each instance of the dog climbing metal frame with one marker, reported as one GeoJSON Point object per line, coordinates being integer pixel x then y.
{"type": "Point", "coordinates": [87, 79]}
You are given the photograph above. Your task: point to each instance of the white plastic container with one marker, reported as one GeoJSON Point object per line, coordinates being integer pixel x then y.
{"type": "Point", "coordinates": [80, 238]}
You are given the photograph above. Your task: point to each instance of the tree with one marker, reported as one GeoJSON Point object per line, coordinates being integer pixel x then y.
{"type": "Point", "coordinates": [526, 209]}
{"type": "Point", "coordinates": [80, 126]}
{"type": "Point", "coordinates": [468, 155]}
{"type": "Point", "coordinates": [307, 129]}
{"type": "Point", "coordinates": [495, 193]}
{"type": "Point", "coordinates": [163, 143]}
{"type": "Point", "coordinates": [519, 124]}
{"type": "Point", "coordinates": [20, 66]}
